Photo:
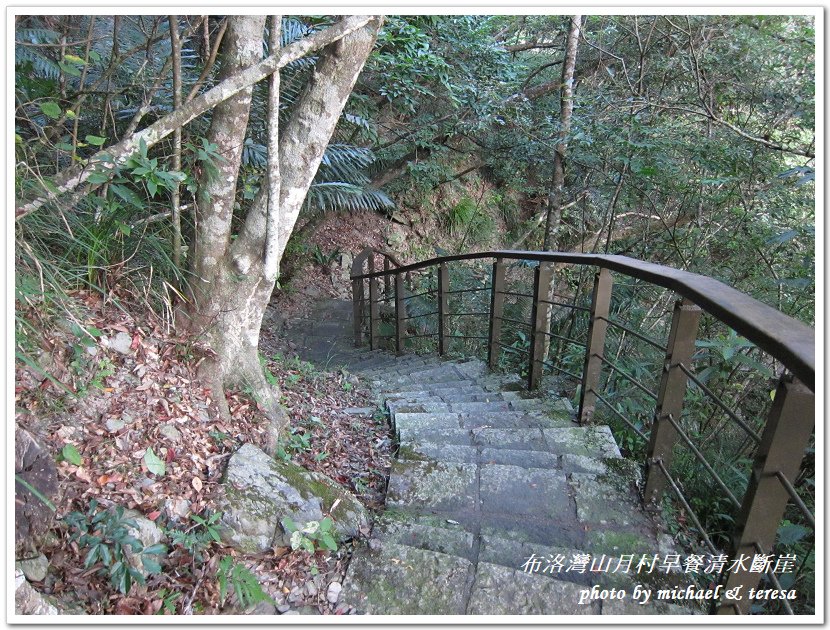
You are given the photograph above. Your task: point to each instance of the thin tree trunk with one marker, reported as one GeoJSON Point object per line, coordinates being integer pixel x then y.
{"type": "Point", "coordinates": [272, 225]}
{"type": "Point", "coordinates": [555, 197]}
{"type": "Point", "coordinates": [566, 110]}
{"type": "Point", "coordinates": [176, 54]}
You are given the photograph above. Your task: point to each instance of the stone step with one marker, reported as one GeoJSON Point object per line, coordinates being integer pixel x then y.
{"type": "Point", "coordinates": [468, 454]}
{"type": "Point", "coordinates": [429, 374]}
{"type": "Point", "coordinates": [426, 432]}
{"type": "Point", "coordinates": [425, 421]}
{"type": "Point", "coordinates": [418, 386]}
{"type": "Point", "coordinates": [430, 533]}
{"type": "Point", "coordinates": [593, 441]}
{"type": "Point", "coordinates": [427, 485]}
{"type": "Point", "coordinates": [398, 579]}
{"type": "Point", "coordinates": [400, 364]}
{"type": "Point", "coordinates": [499, 590]}
{"type": "Point", "coordinates": [511, 420]}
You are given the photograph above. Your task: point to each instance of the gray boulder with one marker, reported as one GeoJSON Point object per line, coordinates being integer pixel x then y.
{"type": "Point", "coordinates": [27, 601]}
{"type": "Point", "coordinates": [259, 492]}
{"type": "Point", "coordinates": [34, 467]}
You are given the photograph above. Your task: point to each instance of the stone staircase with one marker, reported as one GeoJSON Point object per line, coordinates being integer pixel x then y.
{"type": "Point", "coordinates": [498, 502]}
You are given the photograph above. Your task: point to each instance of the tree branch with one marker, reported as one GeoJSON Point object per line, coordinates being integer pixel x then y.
{"type": "Point", "coordinates": [116, 154]}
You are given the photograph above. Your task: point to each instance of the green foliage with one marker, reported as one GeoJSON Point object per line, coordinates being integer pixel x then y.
{"type": "Point", "coordinates": [237, 578]}
{"type": "Point", "coordinates": [298, 442]}
{"type": "Point", "coordinates": [71, 455]}
{"type": "Point", "coordinates": [105, 534]}
{"type": "Point", "coordinates": [312, 536]}
{"type": "Point", "coordinates": [323, 259]}
{"type": "Point", "coordinates": [198, 538]}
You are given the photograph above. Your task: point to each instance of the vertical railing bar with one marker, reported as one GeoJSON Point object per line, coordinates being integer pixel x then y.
{"type": "Point", "coordinates": [543, 275]}
{"type": "Point", "coordinates": [496, 312]}
{"type": "Point", "coordinates": [790, 424]}
{"type": "Point", "coordinates": [357, 311]}
{"type": "Point", "coordinates": [373, 313]}
{"type": "Point", "coordinates": [400, 314]}
{"type": "Point", "coordinates": [443, 308]}
{"type": "Point", "coordinates": [670, 395]}
{"type": "Point", "coordinates": [387, 288]}
{"type": "Point", "coordinates": [600, 305]}
{"type": "Point", "coordinates": [774, 579]}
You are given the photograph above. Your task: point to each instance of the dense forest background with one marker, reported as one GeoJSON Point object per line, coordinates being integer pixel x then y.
{"type": "Point", "coordinates": [687, 141]}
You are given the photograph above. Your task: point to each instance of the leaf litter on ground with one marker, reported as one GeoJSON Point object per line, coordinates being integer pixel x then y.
{"type": "Point", "coordinates": [144, 433]}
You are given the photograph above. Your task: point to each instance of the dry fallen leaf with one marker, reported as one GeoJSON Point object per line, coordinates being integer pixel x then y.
{"type": "Point", "coordinates": [197, 484]}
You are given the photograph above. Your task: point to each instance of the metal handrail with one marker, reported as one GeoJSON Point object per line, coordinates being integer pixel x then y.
{"type": "Point", "coordinates": [787, 339]}
{"type": "Point", "coordinates": [788, 427]}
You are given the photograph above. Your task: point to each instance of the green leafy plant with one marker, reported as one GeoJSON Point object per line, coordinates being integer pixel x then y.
{"type": "Point", "coordinates": [168, 602]}
{"type": "Point", "coordinates": [197, 538]}
{"type": "Point", "coordinates": [312, 536]}
{"type": "Point", "coordinates": [106, 535]}
{"type": "Point", "coordinates": [322, 258]}
{"type": "Point", "coordinates": [238, 578]}
{"type": "Point", "coordinates": [297, 442]}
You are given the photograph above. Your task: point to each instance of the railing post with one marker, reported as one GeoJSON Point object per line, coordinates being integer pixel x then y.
{"type": "Point", "coordinates": [443, 308]}
{"type": "Point", "coordinates": [541, 320]}
{"type": "Point", "coordinates": [387, 279]}
{"type": "Point", "coordinates": [600, 305]}
{"type": "Point", "coordinates": [680, 348]}
{"type": "Point", "coordinates": [787, 433]}
{"type": "Point", "coordinates": [357, 311]}
{"type": "Point", "coordinates": [496, 312]}
{"type": "Point", "coordinates": [400, 314]}
{"type": "Point", "coordinates": [374, 317]}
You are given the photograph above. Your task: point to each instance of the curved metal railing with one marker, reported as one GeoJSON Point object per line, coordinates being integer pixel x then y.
{"type": "Point", "coordinates": [535, 310]}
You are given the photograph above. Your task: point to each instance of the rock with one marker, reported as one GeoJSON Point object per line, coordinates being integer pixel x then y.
{"type": "Point", "coordinates": [311, 589]}
{"type": "Point", "coordinates": [346, 261]}
{"type": "Point", "coordinates": [333, 592]}
{"type": "Point", "coordinates": [36, 466]}
{"type": "Point", "coordinates": [396, 235]}
{"type": "Point", "coordinates": [35, 569]}
{"type": "Point", "coordinates": [170, 432]}
{"type": "Point", "coordinates": [177, 509]}
{"type": "Point", "coordinates": [27, 601]}
{"type": "Point", "coordinates": [121, 343]}
{"type": "Point", "coordinates": [259, 492]}
{"type": "Point", "coordinates": [283, 608]}
{"type": "Point", "coordinates": [397, 217]}
{"type": "Point", "coordinates": [262, 608]}
{"type": "Point", "coordinates": [295, 595]}
{"type": "Point", "coordinates": [359, 411]}
{"type": "Point", "coordinates": [146, 531]}
{"type": "Point", "coordinates": [114, 425]}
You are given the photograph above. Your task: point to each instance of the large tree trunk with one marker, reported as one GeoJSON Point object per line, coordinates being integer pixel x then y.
{"type": "Point", "coordinates": [234, 288]}
{"type": "Point", "coordinates": [554, 215]}
{"type": "Point", "coordinates": [566, 110]}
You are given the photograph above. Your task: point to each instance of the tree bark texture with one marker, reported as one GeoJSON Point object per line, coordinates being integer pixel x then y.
{"type": "Point", "coordinates": [234, 289]}
{"type": "Point", "coordinates": [566, 110]}
{"type": "Point", "coordinates": [555, 197]}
